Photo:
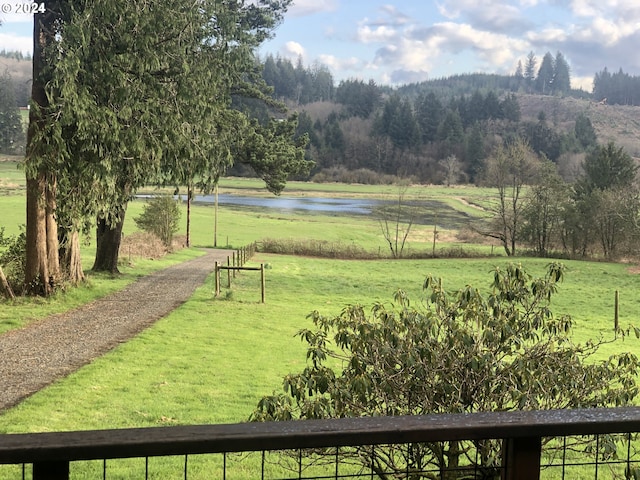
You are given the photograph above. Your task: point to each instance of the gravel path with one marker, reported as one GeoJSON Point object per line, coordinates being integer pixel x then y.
{"type": "Point", "coordinates": [44, 351]}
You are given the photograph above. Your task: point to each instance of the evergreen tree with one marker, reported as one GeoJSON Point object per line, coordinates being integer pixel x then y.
{"type": "Point", "coordinates": [429, 115]}
{"type": "Point", "coordinates": [530, 71]}
{"type": "Point", "coordinates": [403, 130]}
{"type": "Point", "coordinates": [561, 75]}
{"type": "Point", "coordinates": [492, 106]}
{"type": "Point", "coordinates": [585, 133]}
{"type": "Point", "coordinates": [544, 80]}
{"type": "Point", "coordinates": [608, 167]}
{"type": "Point", "coordinates": [476, 110]}
{"type": "Point", "coordinates": [451, 130]}
{"type": "Point", "coordinates": [360, 99]}
{"type": "Point", "coordinates": [601, 85]}
{"type": "Point", "coordinates": [129, 86]}
{"type": "Point", "coordinates": [510, 108]}
{"type": "Point", "coordinates": [519, 71]}
{"type": "Point", "coordinates": [475, 151]}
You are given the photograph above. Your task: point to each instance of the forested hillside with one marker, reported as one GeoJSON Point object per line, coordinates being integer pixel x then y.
{"type": "Point", "coordinates": [441, 131]}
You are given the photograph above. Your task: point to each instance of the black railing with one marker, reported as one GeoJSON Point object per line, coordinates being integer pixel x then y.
{"type": "Point", "coordinates": [522, 435]}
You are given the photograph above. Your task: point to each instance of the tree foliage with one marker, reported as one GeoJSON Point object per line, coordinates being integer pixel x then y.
{"type": "Point", "coordinates": [138, 93]}
{"type": "Point", "coordinates": [459, 352]}
{"type": "Point", "coordinates": [160, 217]}
{"type": "Point", "coordinates": [542, 216]}
{"type": "Point", "coordinates": [608, 166]}
{"type": "Point", "coordinates": [301, 84]}
{"type": "Point", "coordinates": [544, 80]}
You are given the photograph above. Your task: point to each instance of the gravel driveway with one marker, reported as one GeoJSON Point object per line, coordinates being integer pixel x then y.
{"type": "Point", "coordinates": [44, 351]}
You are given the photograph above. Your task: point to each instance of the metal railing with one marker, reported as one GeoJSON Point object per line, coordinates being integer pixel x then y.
{"type": "Point", "coordinates": [522, 436]}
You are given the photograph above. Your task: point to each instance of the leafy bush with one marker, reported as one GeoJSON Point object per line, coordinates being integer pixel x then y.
{"type": "Point", "coordinates": [160, 217]}
{"type": "Point", "coordinates": [453, 352]}
{"type": "Point", "coordinates": [13, 258]}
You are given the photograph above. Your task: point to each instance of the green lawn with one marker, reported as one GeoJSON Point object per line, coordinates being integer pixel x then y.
{"type": "Point", "coordinates": [212, 359]}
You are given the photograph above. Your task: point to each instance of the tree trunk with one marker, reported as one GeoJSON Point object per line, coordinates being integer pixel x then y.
{"type": "Point", "coordinates": [189, 193]}
{"type": "Point", "coordinates": [53, 258]}
{"type": "Point", "coordinates": [108, 238]}
{"type": "Point", "coordinates": [42, 260]}
{"type": "Point", "coordinates": [70, 256]}
{"type": "Point", "coordinates": [5, 288]}
{"type": "Point", "coordinates": [37, 280]}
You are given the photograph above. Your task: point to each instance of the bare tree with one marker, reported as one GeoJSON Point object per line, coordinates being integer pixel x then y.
{"type": "Point", "coordinates": [452, 169]}
{"type": "Point", "coordinates": [396, 220]}
{"type": "Point", "coordinates": [509, 169]}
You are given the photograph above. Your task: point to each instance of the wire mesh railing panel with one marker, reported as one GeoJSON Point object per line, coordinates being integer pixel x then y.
{"type": "Point", "coordinates": [591, 457]}
{"type": "Point", "coordinates": [571, 458]}
{"type": "Point", "coordinates": [489, 445]}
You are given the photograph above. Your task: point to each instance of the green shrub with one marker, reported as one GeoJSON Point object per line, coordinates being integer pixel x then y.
{"type": "Point", "coordinates": [160, 217]}
{"type": "Point", "coordinates": [13, 258]}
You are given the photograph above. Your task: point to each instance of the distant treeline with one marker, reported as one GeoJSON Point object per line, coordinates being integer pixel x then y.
{"type": "Point", "coordinates": [16, 55]}
{"type": "Point", "coordinates": [616, 88]}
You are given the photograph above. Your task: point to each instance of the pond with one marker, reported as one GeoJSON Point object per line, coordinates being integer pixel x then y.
{"type": "Point", "coordinates": [429, 211]}
{"type": "Point", "coordinates": [347, 206]}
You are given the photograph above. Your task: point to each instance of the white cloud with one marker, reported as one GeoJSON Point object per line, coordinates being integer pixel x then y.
{"type": "Point", "coordinates": [493, 15]}
{"type": "Point", "coordinates": [379, 34]}
{"type": "Point", "coordinates": [548, 35]}
{"type": "Point", "coordinates": [585, 83]}
{"type": "Point", "coordinates": [340, 64]}
{"type": "Point", "coordinates": [628, 10]}
{"type": "Point", "coordinates": [293, 50]}
{"type": "Point", "coordinates": [302, 8]}
{"type": "Point", "coordinates": [11, 42]}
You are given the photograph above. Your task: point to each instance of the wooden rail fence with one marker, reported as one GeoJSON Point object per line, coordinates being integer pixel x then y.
{"type": "Point", "coordinates": [235, 263]}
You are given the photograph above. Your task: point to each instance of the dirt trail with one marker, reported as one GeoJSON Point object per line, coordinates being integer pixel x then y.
{"type": "Point", "coordinates": [44, 351]}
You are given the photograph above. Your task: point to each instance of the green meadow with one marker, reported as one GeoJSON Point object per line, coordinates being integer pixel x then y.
{"type": "Point", "coordinates": [212, 359]}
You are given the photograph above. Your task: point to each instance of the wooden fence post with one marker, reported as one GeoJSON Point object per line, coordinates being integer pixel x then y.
{"type": "Point", "coordinates": [262, 282]}
{"type": "Point", "coordinates": [521, 458]}
{"type": "Point", "coordinates": [51, 470]}
{"type": "Point", "coordinates": [216, 274]}
{"type": "Point", "coordinates": [228, 274]}
{"type": "Point", "coordinates": [234, 264]}
{"type": "Point", "coordinates": [616, 317]}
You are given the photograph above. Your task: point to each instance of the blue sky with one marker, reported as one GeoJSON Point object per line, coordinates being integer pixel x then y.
{"type": "Point", "coordinates": [396, 42]}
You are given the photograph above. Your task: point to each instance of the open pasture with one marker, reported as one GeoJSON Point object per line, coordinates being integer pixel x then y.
{"type": "Point", "coordinates": [212, 359]}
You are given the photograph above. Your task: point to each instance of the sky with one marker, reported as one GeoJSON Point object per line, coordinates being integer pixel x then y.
{"type": "Point", "coordinates": [404, 41]}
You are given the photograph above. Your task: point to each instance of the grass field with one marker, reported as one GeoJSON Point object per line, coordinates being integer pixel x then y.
{"type": "Point", "coordinates": [212, 359]}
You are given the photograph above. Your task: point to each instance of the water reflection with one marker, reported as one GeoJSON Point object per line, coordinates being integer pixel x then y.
{"type": "Point", "coordinates": [315, 204]}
